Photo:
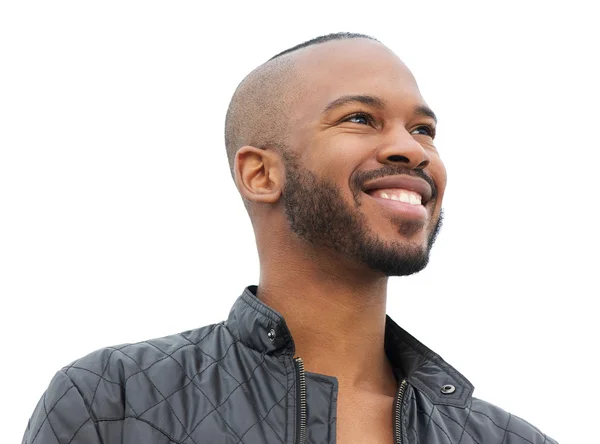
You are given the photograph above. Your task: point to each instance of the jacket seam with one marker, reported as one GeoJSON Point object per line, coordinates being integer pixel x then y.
{"type": "Point", "coordinates": [154, 426]}
{"type": "Point", "coordinates": [291, 381]}
{"type": "Point", "coordinates": [88, 407]}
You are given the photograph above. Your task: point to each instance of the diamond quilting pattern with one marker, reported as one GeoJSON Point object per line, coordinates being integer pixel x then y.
{"type": "Point", "coordinates": [183, 387]}
{"type": "Point", "coordinates": [479, 423]}
{"type": "Point", "coordinates": [211, 386]}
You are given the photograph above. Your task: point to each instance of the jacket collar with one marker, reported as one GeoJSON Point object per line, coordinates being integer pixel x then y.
{"type": "Point", "coordinates": [261, 328]}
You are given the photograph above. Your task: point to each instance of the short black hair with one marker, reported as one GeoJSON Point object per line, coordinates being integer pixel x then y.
{"type": "Point", "coordinates": [326, 38]}
{"type": "Point", "coordinates": [259, 107]}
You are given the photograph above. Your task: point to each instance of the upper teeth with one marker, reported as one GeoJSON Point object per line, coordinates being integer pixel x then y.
{"type": "Point", "coordinates": [399, 194]}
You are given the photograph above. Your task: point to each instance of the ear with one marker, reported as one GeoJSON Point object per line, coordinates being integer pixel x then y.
{"type": "Point", "coordinates": [258, 174]}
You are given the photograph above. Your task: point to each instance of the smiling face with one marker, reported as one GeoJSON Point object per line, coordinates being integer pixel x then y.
{"type": "Point", "coordinates": [342, 145]}
{"type": "Point", "coordinates": [363, 176]}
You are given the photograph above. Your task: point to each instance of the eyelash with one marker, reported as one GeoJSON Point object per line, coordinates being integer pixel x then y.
{"type": "Point", "coordinates": [430, 129]}
{"type": "Point", "coordinates": [366, 116]}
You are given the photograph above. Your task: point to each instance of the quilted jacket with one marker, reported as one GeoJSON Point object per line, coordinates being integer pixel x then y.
{"type": "Point", "coordinates": [238, 382]}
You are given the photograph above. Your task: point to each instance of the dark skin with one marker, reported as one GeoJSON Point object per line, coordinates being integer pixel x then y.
{"type": "Point", "coordinates": [333, 302]}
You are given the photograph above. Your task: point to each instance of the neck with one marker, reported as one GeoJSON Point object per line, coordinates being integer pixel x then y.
{"type": "Point", "coordinates": [337, 319]}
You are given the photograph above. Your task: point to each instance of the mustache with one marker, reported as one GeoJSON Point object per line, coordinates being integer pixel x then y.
{"type": "Point", "coordinates": [391, 170]}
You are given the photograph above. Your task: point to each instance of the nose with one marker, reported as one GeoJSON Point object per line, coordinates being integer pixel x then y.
{"type": "Point", "coordinates": [403, 149]}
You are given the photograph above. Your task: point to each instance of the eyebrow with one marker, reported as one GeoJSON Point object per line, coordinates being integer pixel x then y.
{"type": "Point", "coordinates": [375, 102]}
{"type": "Point", "coordinates": [427, 112]}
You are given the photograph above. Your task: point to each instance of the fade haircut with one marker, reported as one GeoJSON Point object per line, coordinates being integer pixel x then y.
{"type": "Point", "coordinates": [325, 38]}
{"type": "Point", "coordinates": [257, 112]}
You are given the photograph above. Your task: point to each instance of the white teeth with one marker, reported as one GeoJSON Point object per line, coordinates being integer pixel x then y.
{"type": "Point", "coordinates": [400, 195]}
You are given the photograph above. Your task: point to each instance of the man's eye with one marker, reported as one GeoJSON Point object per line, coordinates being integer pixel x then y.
{"type": "Point", "coordinates": [360, 118]}
{"type": "Point", "coordinates": [425, 130]}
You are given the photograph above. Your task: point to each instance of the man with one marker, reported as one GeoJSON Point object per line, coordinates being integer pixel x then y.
{"type": "Point", "coordinates": [332, 148]}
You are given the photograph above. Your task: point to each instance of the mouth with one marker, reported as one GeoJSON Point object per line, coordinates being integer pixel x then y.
{"type": "Point", "coordinates": [403, 195]}
{"type": "Point", "coordinates": [404, 203]}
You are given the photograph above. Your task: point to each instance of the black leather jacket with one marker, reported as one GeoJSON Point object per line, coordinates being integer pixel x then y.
{"type": "Point", "coordinates": [238, 382]}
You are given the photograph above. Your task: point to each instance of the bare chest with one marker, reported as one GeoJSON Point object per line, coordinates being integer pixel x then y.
{"type": "Point", "coordinates": [365, 420]}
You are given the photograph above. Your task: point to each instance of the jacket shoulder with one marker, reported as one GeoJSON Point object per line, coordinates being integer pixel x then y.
{"type": "Point", "coordinates": [88, 399]}
{"type": "Point", "coordinates": [126, 379]}
{"type": "Point", "coordinates": [61, 416]}
{"type": "Point", "coordinates": [509, 428]}
{"type": "Point", "coordinates": [477, 422]}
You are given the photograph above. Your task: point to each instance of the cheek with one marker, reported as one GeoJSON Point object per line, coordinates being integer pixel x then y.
{"type": "Point", "coordinates": [331, 161]}
{"type": "Point", "coordinates": [438, 173]}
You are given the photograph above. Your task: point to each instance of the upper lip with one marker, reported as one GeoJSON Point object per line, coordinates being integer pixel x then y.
{"type": "Point", "coordinates": [403, 181]}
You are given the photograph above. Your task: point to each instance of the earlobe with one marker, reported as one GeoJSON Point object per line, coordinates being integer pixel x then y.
{"type": "Point", "coordinates": [258, 174]}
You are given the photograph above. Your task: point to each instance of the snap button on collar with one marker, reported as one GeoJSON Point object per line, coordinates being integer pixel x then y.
{"type": "Point", "coordinates": [271, 335]}
{"type": "Point", "coordinates": [448, 389]}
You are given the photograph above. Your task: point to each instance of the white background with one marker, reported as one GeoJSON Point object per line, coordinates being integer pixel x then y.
{"type": "Point", "coordinates": [120, 222]}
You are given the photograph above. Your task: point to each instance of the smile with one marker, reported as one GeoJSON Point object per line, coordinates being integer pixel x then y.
{"type": "Point", "coordinates": [398, 194]}
{"type": "Point", "coordinates": [403, 195]}
{"type": "Point", "coordinates": [404, 203]}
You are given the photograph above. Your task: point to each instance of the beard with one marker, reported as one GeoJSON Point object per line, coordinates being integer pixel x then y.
{"type": "Point", "coordinates": [318, 214]}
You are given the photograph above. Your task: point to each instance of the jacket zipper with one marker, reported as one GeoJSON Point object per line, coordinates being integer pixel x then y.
{"type": "Point", "coordinates": [301, 396]}
{"type": "Point", "coordinates": [398, 412]}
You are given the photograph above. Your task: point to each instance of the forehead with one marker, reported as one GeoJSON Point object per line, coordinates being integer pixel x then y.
{"type": "Point", "coordinates": [354, 66]}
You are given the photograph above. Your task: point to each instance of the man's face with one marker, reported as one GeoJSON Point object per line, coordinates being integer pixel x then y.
{"type": "Point", "coordinates": [359, 120]}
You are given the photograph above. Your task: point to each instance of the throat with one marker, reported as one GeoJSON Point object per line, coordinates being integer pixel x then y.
{"type": "Point", "coordinates": [366, 370]}
{"type": "Point", "coordinates": [338, 330]}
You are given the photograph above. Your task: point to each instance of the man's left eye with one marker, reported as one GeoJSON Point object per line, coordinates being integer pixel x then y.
{"type": "Point", "coordinates": [425, 130]}
{"type": "Point", "coordinates": [360, 118]}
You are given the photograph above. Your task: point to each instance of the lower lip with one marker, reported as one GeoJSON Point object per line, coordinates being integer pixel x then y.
{"type": "Point", "coordinates": [401, 208]}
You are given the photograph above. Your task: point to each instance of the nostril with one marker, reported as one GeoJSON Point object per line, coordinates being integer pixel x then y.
{"type": "Point", "coordinates": [423, 165]}
{"type": "Point", "coordinates": [398, 159]}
